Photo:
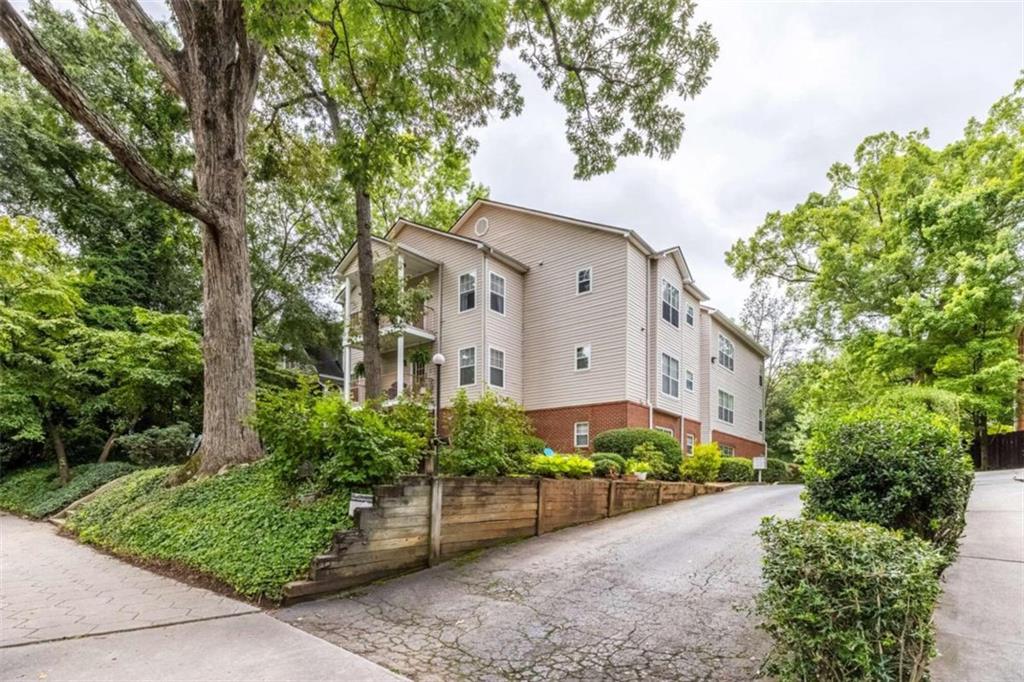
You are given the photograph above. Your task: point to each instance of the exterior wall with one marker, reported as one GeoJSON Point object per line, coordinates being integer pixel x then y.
{"type": "Point", "coordinates": [665, 420]}
{"type": "Point", "coordinates": [741, 382]}
{"type": "Point", "coordinates": [691, 357]}
{"type": "Point", "coordinates": [505, 331]}
{"type": "Point", "coordinates": [742, 446]}
{"type": "Point", "coordinates": [668, 339]}
{"type": "Point", "coordinates": [691, 428]}
{"type": "Point", "coordinates": [638, 321]}
{"type": "Point", "coordinates": [704, 384]}
{"type": "Point", "coordinates": [556, 425]}
{"type": "Point", "coordinates": [557, 319]}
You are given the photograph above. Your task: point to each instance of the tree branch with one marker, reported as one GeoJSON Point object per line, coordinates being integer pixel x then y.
{"type": "Point", "coordinates": [27, 49]}
{"type": "Point", "coordinates": [147, 34]}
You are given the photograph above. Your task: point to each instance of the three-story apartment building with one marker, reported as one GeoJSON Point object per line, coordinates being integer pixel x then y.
{"type": "Point", "coordinates": [584, 324]}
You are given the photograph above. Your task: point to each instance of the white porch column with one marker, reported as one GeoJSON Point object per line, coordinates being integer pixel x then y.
{"type": "Point", "coordinates": [346, 349]}
{"type": "Point", "coordinates": [400, 385]}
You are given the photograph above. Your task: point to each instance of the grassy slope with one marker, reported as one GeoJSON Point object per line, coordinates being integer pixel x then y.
{"type": "Point", "coordinates": [36, 492]}
{"type": "Point", "coordinates": [240, 527]}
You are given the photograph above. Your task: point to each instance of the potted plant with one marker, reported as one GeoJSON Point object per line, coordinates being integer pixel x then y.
{"type": "Point", "coordinates": [638, 469]}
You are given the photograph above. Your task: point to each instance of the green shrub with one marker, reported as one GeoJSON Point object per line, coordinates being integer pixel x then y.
{"type": "Point", "coordinates": [736, 470]}
{"type": "Point", "coordinates": [411, 416]}
{"type": "Point", "coordinates": [635, 466]}
{"type": "Point", "coordinates": [243, 527]}
{"type": "Point", "coordinates": [158, 446]}
{"type": "Point", "coordinates": [37, 491]}
{"type": "Point", "coordinates": [561, 466]}
{"type": "Point", "coordinates": [847, 601]}
{"type": "Point", "coordinates": [794, 473]}
{"type": "Point", "coordinates": [904, 470]}
{"type": "Point", "coordinates": [657, 465]}
{"type": "Point", "coordinates": [317, 437]}
{"type": "Point", "coordinates": [606, 468]}
{"type": "Point", "coordinates": [624, 442]}
{"type": "Point", "coordinates": [489, 437]}
{"type": "Point", "coordinates": [702, 466]}
{"type": "Point", "coordinates": [533, 445]}
{"type": "Point", "coordinates": [619, 460]}
{"type": "Point", "coordinates": [776, 471]}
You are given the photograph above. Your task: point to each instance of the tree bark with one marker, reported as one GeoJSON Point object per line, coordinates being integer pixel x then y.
{"type": "Point", "coordinates": [371, 323]}
{"type": "Point", "coordinates": [108, 447]}
{"type": "Point", "coordinates": [981, 438]}
{"type": "Point", "coordinates": [58, 447]}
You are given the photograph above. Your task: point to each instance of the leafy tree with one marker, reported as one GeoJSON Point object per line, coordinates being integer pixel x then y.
{"type": "Point", "coordinates": [913, 262]}
{"type": "Point", "coordinates": [392, 83]}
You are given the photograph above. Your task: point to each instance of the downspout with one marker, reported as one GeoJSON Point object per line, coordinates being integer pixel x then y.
{"type": "Point", "coordinates": [647, 346]}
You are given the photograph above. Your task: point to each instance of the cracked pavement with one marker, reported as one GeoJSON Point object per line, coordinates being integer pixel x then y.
{"type": "Point", "coordinates": [663, 593]}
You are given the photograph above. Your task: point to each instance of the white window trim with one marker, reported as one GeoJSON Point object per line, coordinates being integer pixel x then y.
{"type": "Point", "coordinates": [679, 369]}
{"type": "Point", "coordinates": [459, 359]}
{"type": "Point", "coordinates": [590, 357]}
{"type": "Point", "coordinates": [720, 406]}
{"type": "Point", "coordinates": [458, 292]}
{"type": "Point", "coordinates": [691, 312]}
{"type": "Point", "coordinates": [690, 442]}
{"type": "Point", "coordinates": [718, 355]}
{"type": "Point", "coordinates": [577, 283]}
{"type": "Point", "coordinates": [693, 380]}
{"type": "Point", "coordinates": [504, 379]}
{"type": "Point", "coordinates": [666, 429]}
{"type": "Point", "coordinates": [504, 295]}
{"type": "Point", "coordinates": [728, 450]}
{"type": "Point", "coordinates": [661, 302]}
{"type": "Point", "coordinates": [575, 435]}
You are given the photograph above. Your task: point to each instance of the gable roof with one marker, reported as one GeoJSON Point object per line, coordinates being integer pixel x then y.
{"type": "Point", "coordinates": [736, 329]}
{"type": "Point", "coordinates": [508, 260]}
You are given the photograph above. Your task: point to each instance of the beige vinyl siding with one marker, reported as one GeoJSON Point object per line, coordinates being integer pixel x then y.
{"type": "Point", "coordinates": [669, 339]}
{"type": "Point", "coordinates": [704, 387]}
{"type": "Point", "coordinates": [691, 356]}
{"type": "Point", "coordinates": [505, 332]}
{"type": "Point", "coordinates": [556, 318]}
{"type": "Point", "coordinates": [741, 383]}
{"type": "Point", "coordinates": [636, 323]}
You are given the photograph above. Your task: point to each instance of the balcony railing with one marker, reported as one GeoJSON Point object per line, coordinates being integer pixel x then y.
{"type": "Point", "coordinates": [425, 321]}
{"type": "Point", "coordinates": [416, 386]}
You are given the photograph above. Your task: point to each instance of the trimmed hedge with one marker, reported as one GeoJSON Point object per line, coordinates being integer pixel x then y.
{"type": "Point", "coordinates": [702, 466]}
{"type": "Point", "coordinates": [559, 466]}
{"type": "Point", "coordinates": [242, 527]}
{"type": "Point", "coordinates": [624, 442]}
{"type": "Point", "coordinates": [901, 469]}
{"type": "Point", "coordinates": [37, 491]}
{"type": "Point", "coordinates": [847, 601]}
{"type": "Point", "coordinates": [736, 470]}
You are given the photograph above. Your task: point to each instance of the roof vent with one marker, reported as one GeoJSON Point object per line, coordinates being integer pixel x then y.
{"type": "Point", "coordinates": [480, 229]}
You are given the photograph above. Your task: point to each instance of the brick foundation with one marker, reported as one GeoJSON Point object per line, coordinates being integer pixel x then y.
{"type": "Point", "coordinates": [555, 425]}
{"type": "Point", "coordinates": [744, 447]}
{"type": "Point", "coordinates": [691, 427]}
{"type": "Point", "coordinates": [667, 421]}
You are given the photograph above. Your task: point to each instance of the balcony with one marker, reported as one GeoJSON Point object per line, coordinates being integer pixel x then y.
{"type": "Point", "coordinates": [416, 385]}
{"type": "Point", "coordinates": [414, 332]}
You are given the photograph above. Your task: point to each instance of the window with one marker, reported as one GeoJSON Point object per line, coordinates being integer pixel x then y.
{"type": "Point", "coordinates": [689, 314]}
{"type": "Point", "coordinates": [480, 228]}
{"type": "Point", "coordinates": [467, 366]}
{"type": "Point", "coordinates": [467, 292]}
{"type": "Point", "coordinates": [582, 357]}
{"type": "Point", "coordinates": [670, 304]}
{"type": "Point", "coordinates": [497, 367]}
{"type": "Point", "coordinates": [760, 420]}
{"type": "Point", "coordinates": [689, 443]}
{"type": "Point", "coordinates": [728, 450]}
{"type": "Point", "coordinates": [666, 430]}
{"type": "Point", "coordinates": [725, 352]}
{"type": "Point", "coordinates": [583, 281]}
{"type": "Point", "coordinates": [689, 381]}
{"type": "Point", "coordinates": [760, 376]}
{"type": "Point", "coordinates": [497, 293]}
{"type": "Point", "coordinates": [726, 404]}
{"type": "Point", "coordinates": [581, 434]}
{"type": "Point", "coordinates": [669, 375]}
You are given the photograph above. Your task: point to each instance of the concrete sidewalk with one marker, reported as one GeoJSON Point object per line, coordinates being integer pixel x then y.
{"type": "Point", "coordinates": [68, 612]}
{"type": "Point", "coordinates": [980, 619]}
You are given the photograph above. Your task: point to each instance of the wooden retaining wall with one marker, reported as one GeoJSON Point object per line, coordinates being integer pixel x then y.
{"type": "Point", "coordinates": [399, 534]}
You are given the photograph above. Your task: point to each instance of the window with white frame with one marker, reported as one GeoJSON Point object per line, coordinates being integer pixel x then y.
{"type": "Point", "coordinates": [669, 303]}
{"type": "Point", "coordinates": [467, 366]}
{"type": "Point", "coordinates": [728, 450]}
{"type": "Point", "coordinates": [760, 376]}
{"type": "Point", "coordinates": [689, 381]}
{"type": "Point", "coordinates": [497, 293]}
{"type": "Point", "coordinates": [726, 352]}
{"type": "Point", "coordinates": [584, 281]}
{"type": "Point", "coordinates": [689, 314]}
{"type": "Point", "coordinates": [497, 368]}
{"type": "Point", "coordinates": [726, 406]}
{"type": "Point", "coordinates": [467, 292]}
{"type": "Point", "coordinates": [689, 443]}
{"type": "Point", "coordinates": [582, 357]}
{"type": "Point", "coordinates": [666, 430]}
{"type": "Point", "coordinates": [669, 375]}
{"type": "Point", "coordinates": [760, 420]}
{"type": "Point", "coordinates": [581, 434]}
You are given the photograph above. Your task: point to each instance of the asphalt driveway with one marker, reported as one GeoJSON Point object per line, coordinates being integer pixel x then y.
{"type": "Point", "coordinates": [663, 593]}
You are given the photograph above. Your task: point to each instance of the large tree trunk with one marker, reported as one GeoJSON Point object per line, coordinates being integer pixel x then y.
{"type": "Point", "coordinates": [62, 456]}
{"type": "Point", "coordinates": [371, 324]}
{"type": "Point", "coordinates": [108, 447]}
{"type": "Point", "coordinates": [981, 438]}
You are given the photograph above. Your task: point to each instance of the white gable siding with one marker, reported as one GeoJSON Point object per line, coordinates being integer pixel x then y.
{"type": "Point", "coordinates": [505, 332]}
{"type": "Point", "coordinates": [704, 387]}
{"type": "Point", "coordinates": [637, 324]}
{"type": "Point", "coordinates": [556, 318]}
{"type": "Point", "coordinates": [741, 383]}
{"type": "Point", "coordinates": [691, 356]}
{"type": "Point", "coordinates": [669, 339]}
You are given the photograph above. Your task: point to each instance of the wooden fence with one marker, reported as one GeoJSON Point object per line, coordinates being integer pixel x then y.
{"type": "Point", "coordinates": [1005, 451]}
{"type": "Point", "coordinates": [421, 521]}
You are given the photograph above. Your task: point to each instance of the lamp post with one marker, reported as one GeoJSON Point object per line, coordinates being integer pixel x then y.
{"type": "Point", "coordinates": [438, 361]}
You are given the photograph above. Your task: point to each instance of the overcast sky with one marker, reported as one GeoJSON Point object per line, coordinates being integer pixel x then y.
{"type": "Point", "coordinates": [796, 87]}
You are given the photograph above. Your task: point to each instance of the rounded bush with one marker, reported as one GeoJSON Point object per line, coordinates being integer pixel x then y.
{"type": "Point", "coordinates": [559, 466]}
{"type": "Point", "coordinates": [736, 470]}
{"type": "Point", "coordinates": [776, 472]}
{"type": "Point", "coordinates": [904, 470]}
{"type": "Point", "coordinates": [625, 441]}
{"type": "Point", "coordinates": [615, 457]}
{"type": "Point", "coordinates": [702, 466]}
{"type": "Point", "coordinates": [606, 468]}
